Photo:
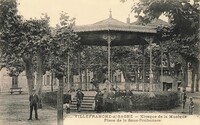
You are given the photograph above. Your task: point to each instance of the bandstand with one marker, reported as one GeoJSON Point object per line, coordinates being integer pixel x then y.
{"type": "Point", "coordinates": [111, 32]}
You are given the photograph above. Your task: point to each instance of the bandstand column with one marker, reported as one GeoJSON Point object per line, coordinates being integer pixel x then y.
{"type": "Point", "coordinates": [161, 80]}
{"type": "Point", "coordinates": [150, 66]}
{"type": "Point", "coordinates": [68, 74]}
{"type": "Point", "coordinates": [108, 38]}
{"type": "Point", "coordinates": [109, 79]}
{"type": "Point", "coordinates": [109, 42]}
{"type": "Point", "coordinates": [143, 69]}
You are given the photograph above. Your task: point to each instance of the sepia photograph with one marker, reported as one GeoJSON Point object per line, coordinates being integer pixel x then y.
{"type": "Point", "coordinates": [94, 62]}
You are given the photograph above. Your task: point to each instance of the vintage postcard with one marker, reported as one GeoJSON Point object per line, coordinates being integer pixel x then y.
{"type": "Point", "coordinates": [97, 62]}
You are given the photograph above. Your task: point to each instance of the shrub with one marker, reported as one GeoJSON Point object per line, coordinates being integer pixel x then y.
{"type": "Point", "coordinates": [50, 98]}
{"type": "Point", "coordinates": [154, 100]}
{"type": "Point", "coordinates": [141, 100]}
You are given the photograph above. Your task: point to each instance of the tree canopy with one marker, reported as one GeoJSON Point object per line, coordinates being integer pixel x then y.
{"type": "Point", "coordinates": [180, 38]}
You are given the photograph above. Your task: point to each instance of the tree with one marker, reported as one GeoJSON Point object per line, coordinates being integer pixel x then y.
{"type": "Point", "coordinates": [64, 42]}
{"type": "Point", "coordinates": [10, 37]}
{"type": "Point", "coordinates": [183, 17]}
{"type": "Point", "coordinates": [23, 39]}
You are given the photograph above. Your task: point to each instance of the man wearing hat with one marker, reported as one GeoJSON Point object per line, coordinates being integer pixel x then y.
{"type": "Point", "coordinates": [79, 98]}
{"type": "Point", "coordinates": [99, 101]}
{"type": "Point", "coordinates": [33, 99]}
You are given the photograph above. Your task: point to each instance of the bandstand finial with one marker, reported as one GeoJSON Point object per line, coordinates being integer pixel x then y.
{"type": "Point", "coordinates": [110, 16]}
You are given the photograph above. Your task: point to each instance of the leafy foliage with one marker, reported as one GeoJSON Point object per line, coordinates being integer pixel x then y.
{"type": "Point", "coordinates": [64, 43]}
{"type": "Point", "coordinates": [179, 40]}
{"type": "Point", "coordinates": [22, 40]}
{"type": "Point", "coordinates": [181, 36]}
{"type": "Point", "coordinates": [10, 25]}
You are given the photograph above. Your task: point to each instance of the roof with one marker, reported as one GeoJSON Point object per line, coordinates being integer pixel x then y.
{"type": "Point", "coordinates": [109, 20]}
{"type": "Point", "coordinates": [155, 22]}
{"type": "Point", "coordinates": [121, 33]}
{"type": "Point", "coordinates": [114, 25]}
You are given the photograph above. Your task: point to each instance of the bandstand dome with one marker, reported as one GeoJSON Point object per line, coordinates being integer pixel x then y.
{"type": "Point", "coordinates": [123, 34]}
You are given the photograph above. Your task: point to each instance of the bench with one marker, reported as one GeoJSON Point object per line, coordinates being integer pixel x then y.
{"type": "Point", "coordinates": [12, 90]}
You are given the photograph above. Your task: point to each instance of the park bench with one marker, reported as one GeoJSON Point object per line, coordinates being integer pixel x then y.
{"type": "Point", "coordinates": [19, 89]}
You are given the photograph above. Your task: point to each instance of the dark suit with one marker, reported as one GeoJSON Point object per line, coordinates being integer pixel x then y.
{"type": "Point", "coordinates": [79, 97]}
{"type": "Point", "coordinates": [99, 102]}
{"type": "Point", "coordinates": [33, 99]}
{"type": "Point", "coordinates": [127, 101]}
{"type": "Point", "coordinates": [109, 102]}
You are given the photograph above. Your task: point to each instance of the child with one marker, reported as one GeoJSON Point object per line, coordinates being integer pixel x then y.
{"type": "Point", "coordinates": [191, 106]}
{"type": "Point", "coordinates": [67, 100]}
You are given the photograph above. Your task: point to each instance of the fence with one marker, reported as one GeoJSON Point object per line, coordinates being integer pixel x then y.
{"type": "Point", "coordinates": [122, 86]}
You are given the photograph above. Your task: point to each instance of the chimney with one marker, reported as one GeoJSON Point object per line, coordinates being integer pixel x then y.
{"type": "Point", "coordinates": [128, 19]}
{"type": "Point", "coordinates": [74, 21]}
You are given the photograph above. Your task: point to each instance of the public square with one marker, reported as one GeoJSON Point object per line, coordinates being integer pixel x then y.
{"type": "Point", "coordinates": [99, 62]}
{"type": "Point", "coordinates": [14, 110]}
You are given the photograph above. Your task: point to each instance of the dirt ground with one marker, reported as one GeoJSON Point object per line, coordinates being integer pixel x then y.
{"type": "Point", "coordinates": [14, 110]}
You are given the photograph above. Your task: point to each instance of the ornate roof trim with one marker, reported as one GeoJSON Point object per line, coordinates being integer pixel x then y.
{"type": "Point", "coordinates": [127, 28]}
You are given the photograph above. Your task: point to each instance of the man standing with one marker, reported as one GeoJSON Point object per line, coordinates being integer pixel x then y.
{"type": "Point", "coordinates": [33, 99]}
{"type": "Point", "coordinates": [184, 97]}
{"type": "Point", "coordinates": [79, 98]}
{"type": "Point", "coordinates": [191, 106]}
{"type": "Point", "coordinates": [95, 84]}
{"type": "Point", "coordinates": [99, 101]}
{"type": "Point", "coordinates": [127, 99]}
{"type": "Point", "coordinates": [105, 96]}
{"type": "Point", "coordinates": [109, 101]}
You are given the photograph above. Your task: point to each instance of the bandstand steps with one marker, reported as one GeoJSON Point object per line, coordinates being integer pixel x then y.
{"type": "Point", "coordinates": [88, 103]}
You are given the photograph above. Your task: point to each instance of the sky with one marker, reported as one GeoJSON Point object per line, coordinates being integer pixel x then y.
{"type": "Point", "coordinates": [85, 11]}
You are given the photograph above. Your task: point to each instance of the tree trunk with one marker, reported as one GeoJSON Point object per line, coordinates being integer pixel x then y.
{"type": "Point", "coordinates": [86, 80]}
{"type": "Point", "coordinates": [168, 63]}
{"type": "Point", "coordinates": [198, 75]}
{"type": "Point", "coordinates": [79, 68]}
{"type": "Point", "coordinates": [29, 73]}
{"type": "Point", "coordinates": [185, 76]}
{"type": "Point", "coordinates": [39, 78]}
{"type": "Point", "coordinates": [52, 81]}
{"type": "Point", "coordinates": [198, 60]}
{"type": "Point", "coordinates": [193, 77]}
{"type": "Point", "coordinates": [15, 81]}
{"type": "Point", "coordinates": [136, 78]}
{"type": "Point", "coordinates": [60, 102]}
{"type": "Point", "coordinates": [125, 74]}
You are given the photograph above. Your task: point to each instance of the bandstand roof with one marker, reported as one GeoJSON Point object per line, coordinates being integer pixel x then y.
{"type": "Point", "coordinates": [114, 25]}
{"type": "Point", "coordinates": [124, 34]}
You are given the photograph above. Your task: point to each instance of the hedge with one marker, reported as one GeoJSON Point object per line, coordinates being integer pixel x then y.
{"type": "Point", "coordinates": [140, 100]}
{"type": "Point", "coordinates": [50, 98]}
{"type": "Point", "coordinates": [155, 100]}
